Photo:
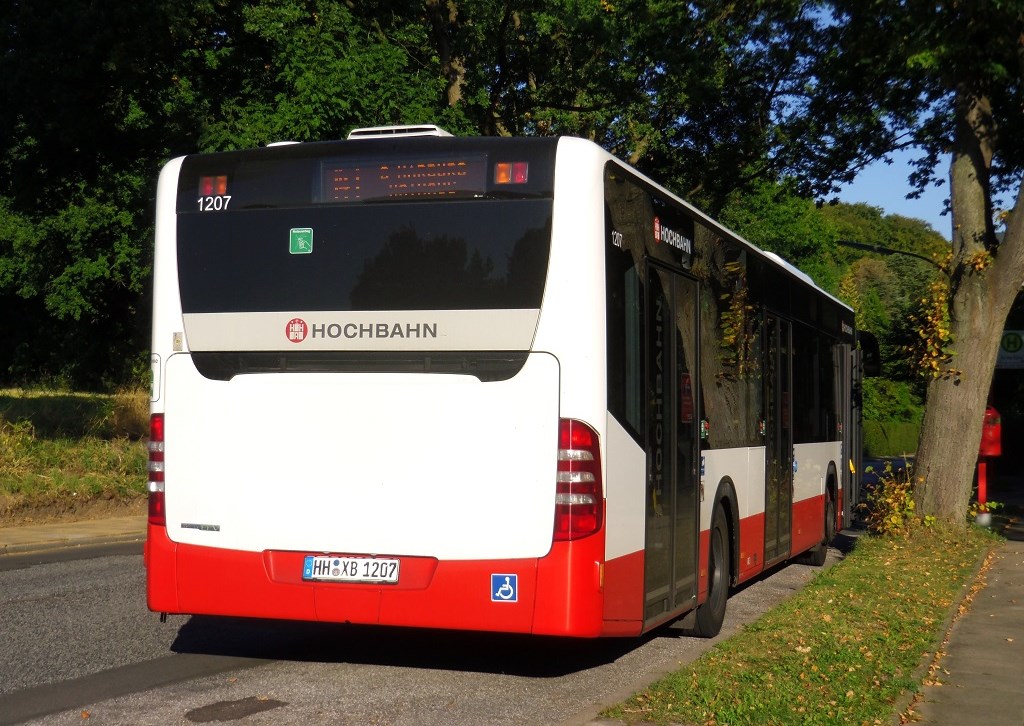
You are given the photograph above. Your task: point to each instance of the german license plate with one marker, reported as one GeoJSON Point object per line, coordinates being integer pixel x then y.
{"type": "Point", "coordinates": [350, 569]}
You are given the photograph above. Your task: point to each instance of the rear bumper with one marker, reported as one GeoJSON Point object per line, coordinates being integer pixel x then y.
{"type": "Point", "coordinates": [558, 594]}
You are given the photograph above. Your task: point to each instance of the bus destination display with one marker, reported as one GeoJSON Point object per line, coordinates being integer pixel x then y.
{"type": "Point", "coordinates": [352, 180]}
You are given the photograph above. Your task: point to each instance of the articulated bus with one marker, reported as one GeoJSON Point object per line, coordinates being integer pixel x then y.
{"type": "Point", "coordinates": [497, 384]}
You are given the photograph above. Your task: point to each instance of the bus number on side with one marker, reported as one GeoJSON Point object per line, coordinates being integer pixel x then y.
{"type": "Point", "coordinates": [217, 203]}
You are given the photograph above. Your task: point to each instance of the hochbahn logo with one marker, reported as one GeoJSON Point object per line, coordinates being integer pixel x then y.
{"type": "Point", "coordinates": [297, 329]}
{"type": "Point", "coordinates": [672, 238]}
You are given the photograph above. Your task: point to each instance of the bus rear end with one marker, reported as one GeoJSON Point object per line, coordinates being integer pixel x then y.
{"type": "Point", "coordinates": [349, 420]}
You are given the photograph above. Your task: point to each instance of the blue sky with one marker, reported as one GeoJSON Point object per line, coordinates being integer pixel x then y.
{"type": "Point", "coordinates": [885, 185]}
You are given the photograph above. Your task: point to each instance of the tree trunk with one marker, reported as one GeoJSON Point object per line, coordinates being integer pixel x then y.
{"type": "Point", "coordinates": [951, 430]}
{"type": "Point", "coordinates": [981, 293]}
{"type": "Point", "coordinates": [442, 16]}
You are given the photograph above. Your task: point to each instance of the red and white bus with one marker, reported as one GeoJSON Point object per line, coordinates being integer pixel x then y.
{"type": "Point", "coordinates": [503, 384]}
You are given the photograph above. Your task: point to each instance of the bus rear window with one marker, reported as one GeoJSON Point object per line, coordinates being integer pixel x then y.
{"type": "Point", "coordinates": [471, 255]}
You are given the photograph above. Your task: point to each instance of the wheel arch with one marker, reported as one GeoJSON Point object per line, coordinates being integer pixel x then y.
{"type": "Point", "coordinates": [725, 496]}
{"type": "Point", "coordinates": [832, 480]}
{"type": "Point", "coordinates": [832, 489]}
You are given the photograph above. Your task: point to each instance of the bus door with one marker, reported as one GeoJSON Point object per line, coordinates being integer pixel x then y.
{"type": "Point", "coordinates": [778, 419]}
{"type": "Point", "coordinates": [672, 433]}
{"type": "Point", "coordinates": [848, 423]}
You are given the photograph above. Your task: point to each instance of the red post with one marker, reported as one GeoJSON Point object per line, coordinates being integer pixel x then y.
{"type": "Point", "coordinates": [991, 445]}
{"type": "Point", "coordinates": [982, 483]}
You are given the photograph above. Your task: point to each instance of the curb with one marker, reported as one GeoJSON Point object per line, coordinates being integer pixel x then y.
{"type": "Point", "coordinates": [71, 535]}
{"type": "Point", "coordinates": [30, 548]}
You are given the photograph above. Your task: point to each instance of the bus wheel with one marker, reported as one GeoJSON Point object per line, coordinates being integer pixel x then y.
{"type": "Point", "coordinates": [816, 556]}
{"type": "Point", "coordinates": [711, 614]}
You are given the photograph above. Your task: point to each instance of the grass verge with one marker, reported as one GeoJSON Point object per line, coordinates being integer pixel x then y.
{"type": "Point", "coordinates": [59, 452]}
{"type": "Point", "coordinates": [842, 650]}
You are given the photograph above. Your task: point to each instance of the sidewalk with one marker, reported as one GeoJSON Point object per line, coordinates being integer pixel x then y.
{"type": "Point", "coordinates": [36, 538]}
{"type": "Point", "coordinates": [982, 673]}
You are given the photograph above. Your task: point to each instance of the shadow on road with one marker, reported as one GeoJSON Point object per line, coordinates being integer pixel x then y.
{"type": "Point", "coordinates": [521, 655]}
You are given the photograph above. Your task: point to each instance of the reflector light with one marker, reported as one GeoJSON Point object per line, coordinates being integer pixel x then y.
{"type": "Point", "coordinates": [574, 499]}
{"type": "Point", "coordinates": [213, 186]}
{"type": "Point", "coordinates": [155, 485]}
{"type": "Point", "coordinates": [579, 501]}
{"type": "Point", "coordinates": [511, 172]}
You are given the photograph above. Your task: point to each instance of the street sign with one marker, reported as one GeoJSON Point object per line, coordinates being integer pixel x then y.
{"type": "Point", "coordinates": [1011, 350]}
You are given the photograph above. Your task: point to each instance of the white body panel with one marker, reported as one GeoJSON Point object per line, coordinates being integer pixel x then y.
{"type": "Point", "coordinates": [166, 299]}
{"type": "Point", "coordinates": [432, 330]}
{"type": "Point", "coordinates": [625, 474]}
{"type": "Point", "coordinates": [572, 327]}
{"type": "Point", "coordinates": [745, 468]}
{"type": "Point", "coordinates": [399, 464]}
{"type": "Point", "coordinates": [812, 462]}
{"type": "Point", "coordinates": [572, 321]}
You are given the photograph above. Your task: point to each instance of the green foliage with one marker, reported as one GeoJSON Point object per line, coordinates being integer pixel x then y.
{"type": "Point", "coordinates": [317, 69]}
{"type": "Point", "coordinates": [885, 77]}
{"type": "Point", "coordinates": [46, 469]}
{"type": "Point", "coordinates": [719, 100]}
{"type": "Point", "coordinates": [890, 438]}
{"type": "Point", "coordinates": [889, 505]}
{"type": "Point", "coordinates": [868, 224]}
{"type": "Point", "coordinates": [887, 400]}
{"type": "Point", "coordinates": [887, 288]}
{"type": "Point", "coordinates": [71, 448]}
{"type": "Point", "coordinates": [775, 218]}
{"type": "Point", "coordinates": [675, 89]}
{"type": "Point", "coordinates": [76, 176]}
{"type": "Point", "coordinates": [932, 350]}
{"type": "Point", "coordinates": [54, 414]}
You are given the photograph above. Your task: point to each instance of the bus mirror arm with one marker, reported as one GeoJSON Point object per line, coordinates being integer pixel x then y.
{"type": "Point", "coordinates": [871, 356]}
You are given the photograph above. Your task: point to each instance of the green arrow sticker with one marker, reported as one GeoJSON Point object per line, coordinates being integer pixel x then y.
{"type": "Point", "coordinates": [300, 241]}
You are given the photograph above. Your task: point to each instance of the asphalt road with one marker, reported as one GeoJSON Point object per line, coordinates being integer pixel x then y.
{"type": "Point", "coordinates": [77, 641]}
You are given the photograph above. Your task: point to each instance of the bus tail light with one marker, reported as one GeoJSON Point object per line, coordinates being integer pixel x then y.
{"type": "Point", "coordinates": [213, 186]}
{"type": "Point", "coordinates": [579, 500]}
{"type": "Point", "coordinates": [511, 172]}
{"type": "Point", "coordinates": [157, 513]}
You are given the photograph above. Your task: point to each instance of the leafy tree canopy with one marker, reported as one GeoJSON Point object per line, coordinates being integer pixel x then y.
{"type": "Point", "coordinates": [719, 100]}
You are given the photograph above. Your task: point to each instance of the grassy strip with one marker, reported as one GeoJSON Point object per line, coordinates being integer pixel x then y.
{"type": "Point", "coordinates": [840, 651]}
{"type": "Point", "coordinates": [57, 446]}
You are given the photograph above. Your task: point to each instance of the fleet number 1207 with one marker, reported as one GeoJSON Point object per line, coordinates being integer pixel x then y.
{"type": "Point", "coordinates": [215, 203]}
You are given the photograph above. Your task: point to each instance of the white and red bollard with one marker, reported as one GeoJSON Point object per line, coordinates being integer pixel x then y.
{"type": "Point", "coordinates": [984, 517]}
{"type": "Point", "coordinates": [991, 445]}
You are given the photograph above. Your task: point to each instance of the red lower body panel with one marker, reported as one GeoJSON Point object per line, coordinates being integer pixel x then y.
{"type": "Point", "coordinates": [703, 555]}
{"type": "Point", "coordinates": [624, 595]}
{"type": "Point", "coordinates": [808, 524]}
{"type": "Point", "coordinates": [559, 594]}
{"type": "Point", "coordinates": [751, 547]}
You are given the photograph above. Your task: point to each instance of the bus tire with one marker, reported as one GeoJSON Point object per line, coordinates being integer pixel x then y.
{"type": "Point", "coordinates": [816, 555]}
{"type": "Point", "coordinates": [711, 614]}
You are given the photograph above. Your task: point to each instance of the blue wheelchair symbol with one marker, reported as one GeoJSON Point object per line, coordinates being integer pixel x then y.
{"type": "Point", "coordinates": [504, 588]}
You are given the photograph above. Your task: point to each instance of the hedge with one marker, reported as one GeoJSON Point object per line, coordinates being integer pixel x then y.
{"type": "Point", "coordinates": [890, 438]}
